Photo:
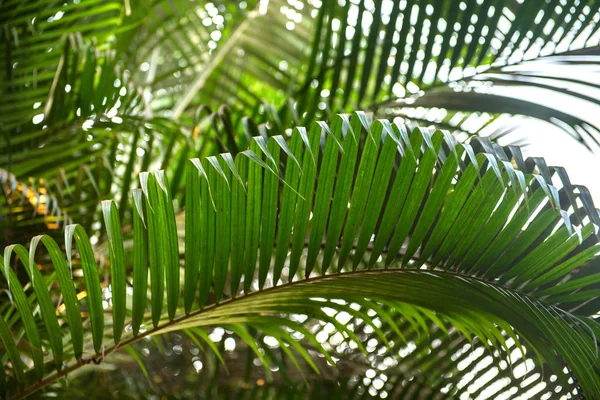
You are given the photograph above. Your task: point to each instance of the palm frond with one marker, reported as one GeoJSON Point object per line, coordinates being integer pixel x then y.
{"type": "Point", "coordinates": [365, 52]}
{"type": "Point", "coordinates": [356, 212]}
{"type": "Point", "coordinates": [554, 89]}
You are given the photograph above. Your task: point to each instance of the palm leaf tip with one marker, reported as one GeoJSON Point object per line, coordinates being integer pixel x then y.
{"type": "Point", "coordinates": [359, 211]}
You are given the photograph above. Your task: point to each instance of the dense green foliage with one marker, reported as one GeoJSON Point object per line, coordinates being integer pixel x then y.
{"type": "Point", "coordinates": [176, 146]}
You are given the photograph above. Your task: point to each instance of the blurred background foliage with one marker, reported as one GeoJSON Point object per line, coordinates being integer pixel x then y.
{"type": "Point", "coordinates": [123, 87]}
{"type": "Point", "coordinates": [94, 92]}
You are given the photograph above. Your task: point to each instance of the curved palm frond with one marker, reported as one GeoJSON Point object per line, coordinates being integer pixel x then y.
{"type": "Point", "coordinates": [555, 89]}
{"type": "Point", "coordinates": [362, 51]}
{"type": "Point", "coordinates": [394, 58]}
{"type": "Point", "coordinates": [355, 212]}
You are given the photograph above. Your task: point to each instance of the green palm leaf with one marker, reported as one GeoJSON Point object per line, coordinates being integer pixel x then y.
{"type": "Point", "coordinates": [397, 49]}
{"type": "Point", "coordinates": [464, 240]}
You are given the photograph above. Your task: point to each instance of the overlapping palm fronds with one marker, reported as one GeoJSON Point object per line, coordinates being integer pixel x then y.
{"type": "Point", "coordinates": [416, 236]}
